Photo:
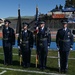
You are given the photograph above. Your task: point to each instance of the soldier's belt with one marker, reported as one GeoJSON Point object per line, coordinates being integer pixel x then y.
{"type": "Point", "coordinates": [41, 44]}
{"type": "Point", "coordinates": [25, 42]}
{"type": "Point", "coordinates": [5, 38]}
{"type": "Point", "coordinates": [65, 40]}
{"type": "Point", "coordinates": [43, 39]}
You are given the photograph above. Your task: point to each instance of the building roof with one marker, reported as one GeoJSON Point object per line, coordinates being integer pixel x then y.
{"type": "Point", "coordinates": [68, 9]}
{"type": "Point", "coordinates": [55, 10]}
{"type": "Point", "coordinates": [22, 17]}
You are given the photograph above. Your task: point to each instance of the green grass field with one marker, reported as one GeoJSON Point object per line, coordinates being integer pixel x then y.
{"type": "Point", "coordinates": [52, 65]}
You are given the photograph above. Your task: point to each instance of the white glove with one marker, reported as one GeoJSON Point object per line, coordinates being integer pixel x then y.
{"type": "Point", "coordinates": [48, 47]}
{"type": "Point", "coordinates": [18, 47]}
{"type": "Point", "coordinates": [57, 48]}
{"type": "Point", "coordinates": [71, 49]}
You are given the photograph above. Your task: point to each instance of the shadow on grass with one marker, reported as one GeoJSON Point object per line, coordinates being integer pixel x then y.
{"type": "Point", "coordinates": [32, 65]}
{"type": "Point", "coordinates": [16, 63]}
{"type": "Point", "coordinates": [52, 69]}
{"type": "Point", "coordinates": [1, 61]}
{"type": "Point", "coordinates": [47, 68]}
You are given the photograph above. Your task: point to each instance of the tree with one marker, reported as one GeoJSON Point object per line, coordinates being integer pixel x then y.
{"type": "Point", "coordinates": [66, 3]}
{"type": "Point", "coordinates": [69, 3]}
{"type": "Point", "coordinates": [56, 7]}
{"type": "Point", "coordinates": [60, 6]}
{"type": "Point", "coordinates": [73, 1]}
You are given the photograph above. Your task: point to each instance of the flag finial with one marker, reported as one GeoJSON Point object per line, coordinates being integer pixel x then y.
{"type": "Point", "coordinates": [19, 6]}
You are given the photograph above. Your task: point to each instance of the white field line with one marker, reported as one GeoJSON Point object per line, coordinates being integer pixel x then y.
{"type": "Point", "coordinates": [29, 71]}
{"type": "Point", "coordinates": [3, 72]}
{"type": "Point", "coordinates": [35, 56]}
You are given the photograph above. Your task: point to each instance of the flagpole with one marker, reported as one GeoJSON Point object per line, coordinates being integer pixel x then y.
{"type": "Point", "coordinates": [36, 30]}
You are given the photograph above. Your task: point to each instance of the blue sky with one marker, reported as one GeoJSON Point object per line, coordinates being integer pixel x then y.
{"type": "Point", "coordinates": [8, 8]}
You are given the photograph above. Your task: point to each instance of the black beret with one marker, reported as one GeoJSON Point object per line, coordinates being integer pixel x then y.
{"type": "Point", "coordinates": [42, 22]}
{"type": "Point", "coordinates": [7, 21]}
{"type": "Point", "coordinates": [64, 21]}
{"type": "Point", "coordinates": [25, 24]}
{"type": "Point", "coordinates": [1, 20]}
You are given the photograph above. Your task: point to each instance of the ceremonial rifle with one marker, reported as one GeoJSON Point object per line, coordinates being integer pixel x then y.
{"type": "Point", "coordinates": [18, 31]}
